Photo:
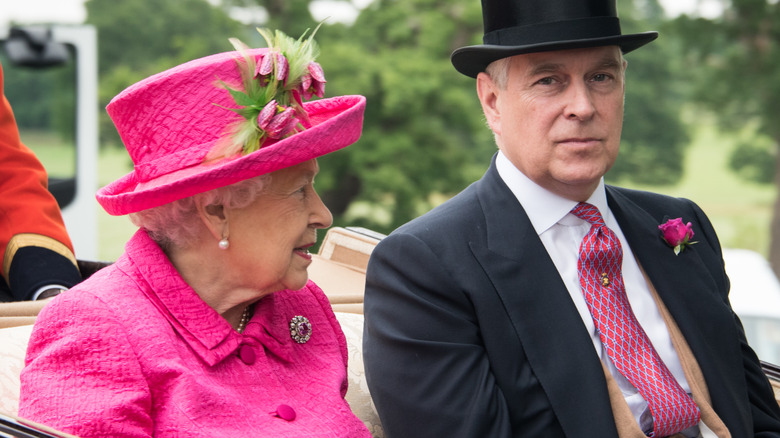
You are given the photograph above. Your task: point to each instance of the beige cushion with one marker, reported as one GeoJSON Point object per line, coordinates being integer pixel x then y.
{"type": "Point", "coordinates": [358, 396]}
{"type": "Point", "coordinates": [14, 345]}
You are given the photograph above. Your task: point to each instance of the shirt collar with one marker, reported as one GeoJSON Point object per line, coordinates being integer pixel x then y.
{"type": "Point", "coordinates": [543, 207]}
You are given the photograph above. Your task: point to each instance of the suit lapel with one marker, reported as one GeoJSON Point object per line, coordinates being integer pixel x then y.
{"type": "Point", "coordinates": [553, 337]}
{"type": "Point", "coordinates": [683, 281]}
{"type": "Point", "coordinates": [690, 293]}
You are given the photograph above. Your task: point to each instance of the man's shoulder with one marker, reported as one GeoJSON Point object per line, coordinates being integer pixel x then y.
{"type": "Point", "coordinates": [649, 201]}
{"type": "Point", "coordinates": [456, 213]}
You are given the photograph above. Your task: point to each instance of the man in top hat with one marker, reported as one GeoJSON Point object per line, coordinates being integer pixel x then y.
{"type": "Point", "coordinates": [540, 302]}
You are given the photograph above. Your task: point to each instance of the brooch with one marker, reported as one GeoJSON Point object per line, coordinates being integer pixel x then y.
{"type": "Point", "coordinates": [300, 329]}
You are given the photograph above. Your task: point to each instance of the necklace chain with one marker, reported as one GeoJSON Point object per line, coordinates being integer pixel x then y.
{"type": "Point", "coordinates": [244, 320]}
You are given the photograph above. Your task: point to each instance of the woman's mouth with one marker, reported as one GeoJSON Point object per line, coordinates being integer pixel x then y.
{"type": "Point", "coordinates": [303, 251]}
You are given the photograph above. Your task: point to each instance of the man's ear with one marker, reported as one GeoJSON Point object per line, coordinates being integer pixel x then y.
{"type": "Point", "coordinates": [215, 218]}
{"type": "Point", "coordinates": [488, 93]}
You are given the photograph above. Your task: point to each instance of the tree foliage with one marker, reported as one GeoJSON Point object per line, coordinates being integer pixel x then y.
{"type": "Point", "coordinates": [137, 38]}
{"type": "Point", "coordinates": [737, 63]}
{"type": "Point", "coordinates": [424, 133]}
{"type": "Point", "coordinates": [424, 136]}
{"type": "Point", "coordinates": [654, 136]}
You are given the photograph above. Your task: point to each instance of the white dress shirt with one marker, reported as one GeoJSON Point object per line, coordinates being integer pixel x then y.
{"type": "Point", "coordinates": [561, 233]}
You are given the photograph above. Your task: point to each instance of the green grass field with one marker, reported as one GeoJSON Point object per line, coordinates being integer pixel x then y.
{"type": "Point", "coordinates": [740, 210]}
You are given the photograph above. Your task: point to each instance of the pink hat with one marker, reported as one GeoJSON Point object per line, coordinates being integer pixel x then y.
{"type": "Point", "coordinates": [171, 121]}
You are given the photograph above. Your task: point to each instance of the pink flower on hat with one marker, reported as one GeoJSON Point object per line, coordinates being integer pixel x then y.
{"type": "Point", "coordinates": [313, 82]}
{"type": "Point", "coordinates": [264, 67]}
{"type": "Point", "coordinates": [270, 62]}
{"type": "Point", "coordinates": [270, 96]}
{"type": "Point", "coordinates": [282, 68]}
{"type": "Point", "coordinates": [265, 116]}
{"type": "Point", "coordinates": [282, 123]}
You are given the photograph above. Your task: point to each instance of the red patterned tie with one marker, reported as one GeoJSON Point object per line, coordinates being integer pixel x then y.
{"type": "Point", "coordinates": [625, 341]}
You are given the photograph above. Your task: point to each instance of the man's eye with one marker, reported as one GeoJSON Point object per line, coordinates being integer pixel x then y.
{"type": "Point", "coordinates": [545, 81]}
{"type": "Point", "coordinates": [601, 77]}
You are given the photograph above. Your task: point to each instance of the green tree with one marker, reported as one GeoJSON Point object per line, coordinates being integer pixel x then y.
{"type": "Point", "coordinates": [424, 135]}
{"type": "Point", "coordinates": [654, 137]}
{"type": "Point", "coordinates": [292, 17]}
{"type": "Point", "coordinates": [737, 63]}
{"type": "Point", "coordinates": [137, 39]}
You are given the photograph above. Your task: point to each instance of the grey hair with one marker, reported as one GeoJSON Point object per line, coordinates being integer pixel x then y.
{"type": "Point", "coordinates": [498, 71]}
{"type": "Point", "coordinates": [177, 223]}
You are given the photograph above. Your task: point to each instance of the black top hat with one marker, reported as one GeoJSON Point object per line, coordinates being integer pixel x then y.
{"type": "Point", "coordinates": [513, 27]}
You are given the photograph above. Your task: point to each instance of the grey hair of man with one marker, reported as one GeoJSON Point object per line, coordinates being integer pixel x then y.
{"type": "Point", "coordinates": [177, 223]}
{"type": "Point", "coordinates": [498, 71]}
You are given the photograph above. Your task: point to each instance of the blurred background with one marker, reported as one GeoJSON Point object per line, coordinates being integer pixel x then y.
{"type": "Point", "coordinates": [700, 101]}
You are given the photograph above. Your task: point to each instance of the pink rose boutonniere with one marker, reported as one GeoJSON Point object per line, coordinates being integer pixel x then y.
{"type": "Point", "coordinates": [676, 234]}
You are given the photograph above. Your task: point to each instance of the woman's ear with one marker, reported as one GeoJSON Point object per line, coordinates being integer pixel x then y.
{"type": "Point", "coordinates": [214, 217]}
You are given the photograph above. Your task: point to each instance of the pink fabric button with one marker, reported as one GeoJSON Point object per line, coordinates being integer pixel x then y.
{"type": "Point", "coordinates": [247, 354]}
{"type": "Point", "coordinates": [284, 412]}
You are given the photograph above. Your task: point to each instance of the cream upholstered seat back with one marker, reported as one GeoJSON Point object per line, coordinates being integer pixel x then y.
{"type": "Point", "coordinates": [14, 343]}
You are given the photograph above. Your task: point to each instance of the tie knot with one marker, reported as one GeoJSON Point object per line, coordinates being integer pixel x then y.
{"type": "Point", "coordinates": [588, 212]}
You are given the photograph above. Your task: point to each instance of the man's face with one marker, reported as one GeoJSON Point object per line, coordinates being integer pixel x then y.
{"type": "Point", "coordinates": [559, 117]}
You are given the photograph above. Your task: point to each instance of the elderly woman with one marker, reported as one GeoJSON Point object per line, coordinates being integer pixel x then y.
{"type": "Point", "coordinates": [208, 326]}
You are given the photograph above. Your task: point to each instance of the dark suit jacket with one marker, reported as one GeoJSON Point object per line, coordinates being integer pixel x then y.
{"type": "Point", "coordinates": [470, 332]}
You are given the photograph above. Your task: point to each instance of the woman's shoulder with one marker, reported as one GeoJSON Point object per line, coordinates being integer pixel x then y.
{"type": "Point", "coordinates": [103, 298]}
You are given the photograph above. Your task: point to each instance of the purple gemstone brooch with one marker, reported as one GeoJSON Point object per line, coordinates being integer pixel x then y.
{"type": "Point", "coordinates": [300, 329]}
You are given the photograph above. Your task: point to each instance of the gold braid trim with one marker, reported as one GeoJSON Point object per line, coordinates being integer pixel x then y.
{"type": "Point", "coordinates": [28, 239]}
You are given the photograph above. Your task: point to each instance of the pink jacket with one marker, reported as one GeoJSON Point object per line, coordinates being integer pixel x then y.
{"type": "Point", "coordinates": [134, 352]}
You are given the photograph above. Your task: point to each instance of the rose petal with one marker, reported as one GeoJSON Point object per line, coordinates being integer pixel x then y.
{"type": "Point", "coordinates": [675, 232]}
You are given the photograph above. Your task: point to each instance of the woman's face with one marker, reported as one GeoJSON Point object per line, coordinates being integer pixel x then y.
{"type": "Point", "coordinates": [270, 238]}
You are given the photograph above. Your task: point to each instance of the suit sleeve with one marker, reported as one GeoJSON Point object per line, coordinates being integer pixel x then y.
{"type": "Point", "coordinates": [764, 408]}
{"type": "Point", "coordinates": [29, 218]}
{"type": "Point", "coordinates": [426, 366]}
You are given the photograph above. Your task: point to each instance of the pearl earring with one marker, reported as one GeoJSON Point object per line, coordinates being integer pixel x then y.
{"type": "Point", "coordinates": [224, 244]}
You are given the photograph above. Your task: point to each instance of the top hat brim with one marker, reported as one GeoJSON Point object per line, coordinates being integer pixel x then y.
{"type": "Point", "coordinates": [472, 60]}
